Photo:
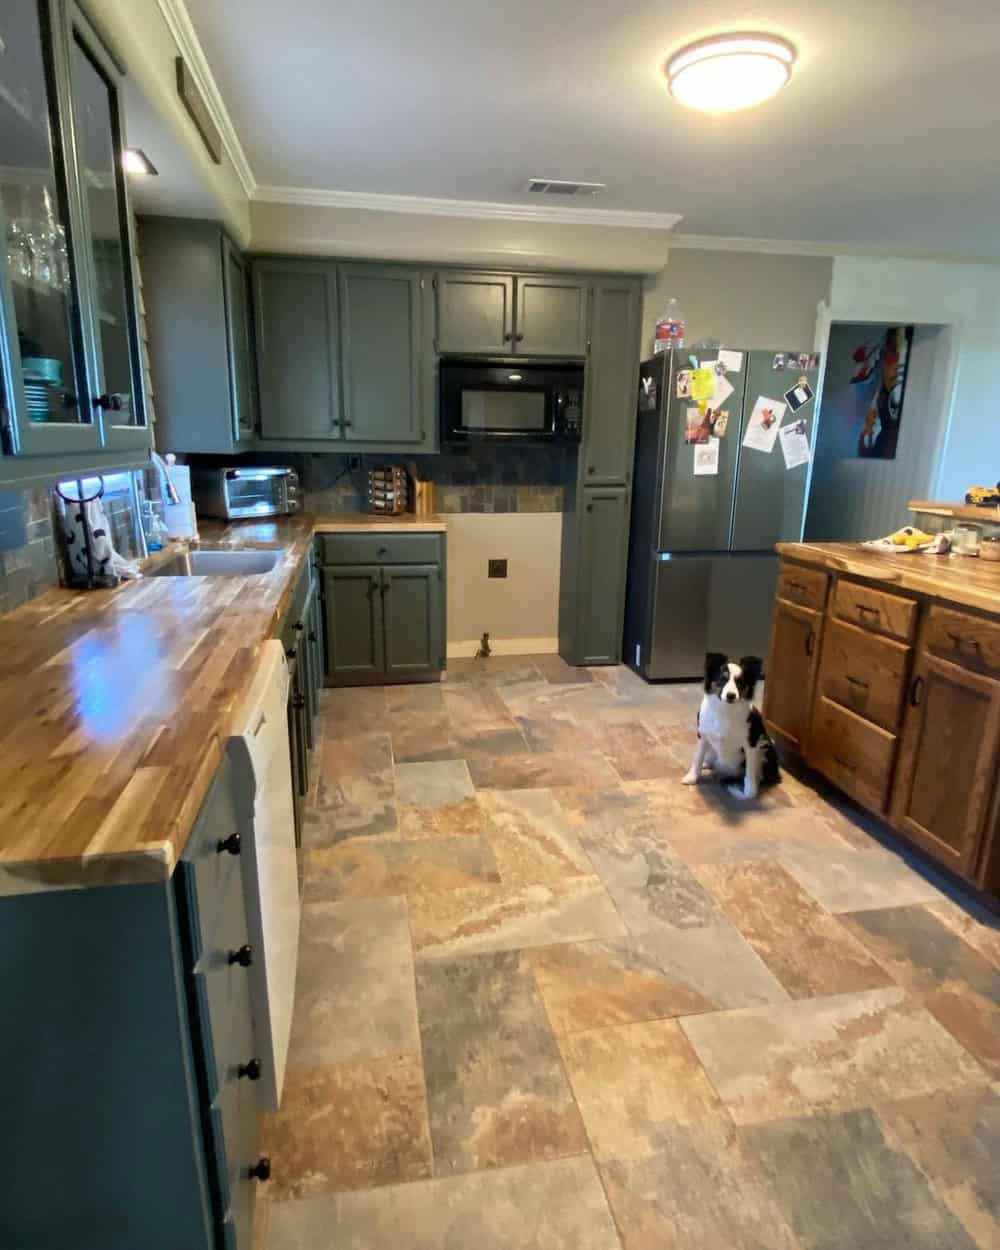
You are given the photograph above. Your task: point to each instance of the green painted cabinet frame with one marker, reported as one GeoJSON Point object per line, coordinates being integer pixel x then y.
{"type": "Point", "coordinates": [483, 313]}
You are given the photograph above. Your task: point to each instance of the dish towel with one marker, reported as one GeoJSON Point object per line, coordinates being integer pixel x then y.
{"type": "Point", "coordinates": [109, 568]}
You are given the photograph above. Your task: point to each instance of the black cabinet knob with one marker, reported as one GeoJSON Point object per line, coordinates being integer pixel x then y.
{"type": "Point", "coordinates": [382, 550]}
{"type": "Point", "coordinates": [111, 403]}
{"type": "Point", "coordinates": [243, 956]}
{"type": "Point", "coordinates": [299, 701]}
{"type": "Point", "coordinates": [230, 844]}
{"type": "Point", "coordinates": [261, 1170]}
{"type": "Point", "coordinates": [291, 652]}
{"type": "Point", "coordinates": [250, 1070]}
{"type": "Point", "coordinates": [518, 338]}
{"type": "Point", "coordinates": [313, 636]}
{"type": "Point", "coordinates": [299, 627]}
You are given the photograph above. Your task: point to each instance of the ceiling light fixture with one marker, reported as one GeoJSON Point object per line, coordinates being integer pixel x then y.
{"type": "Point", "coordinates": [135, 161]}
{"type": "Point", "coordinates": [728, 72]}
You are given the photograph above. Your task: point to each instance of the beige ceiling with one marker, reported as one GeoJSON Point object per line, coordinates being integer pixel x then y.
{"type": "Point", "coordinates": [885, 137]}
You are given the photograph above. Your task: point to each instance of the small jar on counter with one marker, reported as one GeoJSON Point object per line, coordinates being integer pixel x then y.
{"type": "Point", "coordinates": [989, 549]}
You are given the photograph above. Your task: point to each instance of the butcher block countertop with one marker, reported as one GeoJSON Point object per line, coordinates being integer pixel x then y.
{"type": "Point", "coordinates": [963, 580]}
{"type": "Point", "coordinates": [116, 706]}
{"type": "Point", "coordinates": [957, 511]}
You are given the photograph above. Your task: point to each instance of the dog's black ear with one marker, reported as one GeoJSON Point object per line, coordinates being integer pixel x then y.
{"type": "Point", "coordinates": [751, 666]}
{"type": "Point", "coordinates": [714, 661]}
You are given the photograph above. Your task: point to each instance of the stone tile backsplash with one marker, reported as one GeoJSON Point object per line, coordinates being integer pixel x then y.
{"type": "Point", "coordinates": [28, 561]}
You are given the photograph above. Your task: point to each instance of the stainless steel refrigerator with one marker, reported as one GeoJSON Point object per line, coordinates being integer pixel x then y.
{"type": "Point", "coordinates": [702, 570]}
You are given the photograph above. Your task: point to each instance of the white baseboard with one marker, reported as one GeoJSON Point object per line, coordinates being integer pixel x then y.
{"type": "Point", "coordinates": [505, 646]}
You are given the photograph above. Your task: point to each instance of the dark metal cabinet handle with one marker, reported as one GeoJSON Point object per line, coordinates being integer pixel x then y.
{"type": "Point", "coordinates": [261, 1170]}
{"type": "Point", "coordinates": [243, 956]}
{"type": "Point", "coordinates": [291, 652]}
{"type": "Point", "coordinates": [518, 338]}
{"type": "Point", "coordinates": [916, 692]}
{"type": "Point", "coordinates": [299, 626]}
{"type": "Point", "coordinates": [796, 586]}
{"type": "Point", "coordinates": [810, 642]}
{"type": "Point", "coordinates": [383, 551]}
{"type": "Point", "coordinates": [865, 610]}
{"type": "Point", "coordinates": [346, 422]}
{"type": "Point", "coordinates": [251, 1070]}
{"type": "Point", "coordinates": [960, 642]}
{"type": "Point", "coordinates": [313, 636]}
{"type": "Point", "coordinates": [507, 338]}
{"type": "Point", "coordinates": [591, 468]}
{"type": "Point", "coordinates": [857, 681]}
{"type": "Point", "coordinates": [843, 763]}
{"type": "Point", "coordinates": [112, 403]}
{"type": "Point", "coordinates": [298, 701]}
{"type": "Point", "coordinates": [230, 844]}
{"type": "Point", "coordinates": [590, 507]}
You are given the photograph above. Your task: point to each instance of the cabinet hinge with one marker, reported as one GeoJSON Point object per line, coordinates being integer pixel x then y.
{"type": "Point", "coordinates": [434, 283]}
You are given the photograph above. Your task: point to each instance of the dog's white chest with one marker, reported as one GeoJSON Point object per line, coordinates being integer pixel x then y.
{"type": "Point", "coordinates": [724, 727]}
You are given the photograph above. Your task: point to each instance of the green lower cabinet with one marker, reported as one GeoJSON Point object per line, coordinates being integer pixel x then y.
{"type": "Point", "coordinates": [601, 564]}
{"type": "Point", "coordinates": [384, 622]}
{"type": "Point", "coordinates": [412, 611]}
{"type": "Point", "coordinates": [355, 635]}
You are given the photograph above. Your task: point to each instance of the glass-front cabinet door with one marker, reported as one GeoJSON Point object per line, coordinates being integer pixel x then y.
{"type": "Point", "coordinates": [69, 372]}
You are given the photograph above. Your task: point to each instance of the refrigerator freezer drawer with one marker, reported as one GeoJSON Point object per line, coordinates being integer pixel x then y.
{"type": "Point", "coordinates": [708, 603]}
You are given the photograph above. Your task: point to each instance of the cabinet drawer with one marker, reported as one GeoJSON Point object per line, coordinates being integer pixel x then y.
{"type": "Point", "coordinates": [214, 870]}
{"type": "Point", "coordinates": [875, 610]}
{"type": "Point", "coordinates": [380, 548]}
{"type": "Point", "coordinates": [967, 640]}
{"type": "Point", "coordinates": [853, 753]}
{"type": "Point", "coordinates": [233, 1114]}
{"type": "Point", "coordinates": [806, 587]}
{"type": "Point", "coordinates": [865, 673]}
{"type": "Point", "coordinates": [222, 988]}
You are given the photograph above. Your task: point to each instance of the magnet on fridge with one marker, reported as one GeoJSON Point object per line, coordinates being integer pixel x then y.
{"type": "Point", "coordinates": [778, 362]}
{"type": "Point", "coordinates": [798, 395]}
{"type": "Point", "coordinates": [814, 360]}
{"type": "Point", "coordinates": [693, 361]}
{"type": "Point", "coordinates": [683, 383]}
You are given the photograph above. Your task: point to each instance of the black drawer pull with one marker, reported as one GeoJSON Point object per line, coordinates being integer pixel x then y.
{"type": "Point", "coordinates": [796, 586]}
{"type": "Point", "coordinates": [810, 642]}
{"type": "Point", "coordinates": [856, 681]}
{"type": "Point", "coordinates": [261, 1170]}
{"type": "Point", "coordinates": [837, 759]}
{"type": "Point", "coordinates": [291, 652]}
{"type": "Point", "coordinates": [916, 691]}
{"type": "Point", "coordinates": [313, 636]}
{"type": "Point", "coordinates": [865, 610]}
{"type": "Point", "coordinates": [961, 642]}
{"type": "Point", "coordinates": [230, 844]}
{"type": "Point", "coordinates": [299, 627]}
{"type": "Point", "coordinates": [243, 956]}
{"type": "Point", "coordinates": [250, 1070]}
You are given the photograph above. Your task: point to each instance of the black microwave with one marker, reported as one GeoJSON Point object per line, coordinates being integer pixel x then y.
{"type": "Point", "coordinates": [513, 402]}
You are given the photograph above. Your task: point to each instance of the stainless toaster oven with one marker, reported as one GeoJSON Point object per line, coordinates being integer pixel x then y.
{"type": "Point", "coordinates": [248, 491]}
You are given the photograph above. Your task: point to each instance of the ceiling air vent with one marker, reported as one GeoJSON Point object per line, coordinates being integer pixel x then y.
{"type": "Point", "coordinates": [554, 186]}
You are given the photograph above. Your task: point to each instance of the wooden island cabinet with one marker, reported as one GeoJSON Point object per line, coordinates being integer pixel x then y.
{"type": "Point", "coordinates": [884, 676]}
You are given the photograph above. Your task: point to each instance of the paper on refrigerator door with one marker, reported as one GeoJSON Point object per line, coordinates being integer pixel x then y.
{"type": "Point", "coordinates": [794, 444]}
{"type": "Point", "coordinates": [762, 428]}
{"type": "Point", "coordinates": [723, 389]}
{"type": "Point", "coordinates": [706, 459]}
{"type": "Point", "coordinates": [733, 361]}
{"type": "Point", "coordinates": [703, 382]}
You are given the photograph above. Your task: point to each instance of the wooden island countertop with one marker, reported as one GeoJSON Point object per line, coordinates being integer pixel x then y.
{"type": "Point", "coordinates": [963, 580]}
{"type": "Point", "coordinates": [117, 704]}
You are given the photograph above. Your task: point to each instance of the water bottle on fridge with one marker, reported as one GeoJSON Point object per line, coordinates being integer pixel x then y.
{"type": "Point", "coordinates": [669, 330]}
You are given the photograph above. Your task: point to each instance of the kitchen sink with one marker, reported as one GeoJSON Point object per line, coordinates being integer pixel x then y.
{"type": "Point", "coordinates": [218, 564]}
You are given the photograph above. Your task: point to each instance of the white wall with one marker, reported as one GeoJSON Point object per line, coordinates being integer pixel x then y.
{"type": "Point", "coordinates": [854, 499]}
{"type": "Point", "coordinates": [743, 299]}
{"type": "Point", "coordinates": [967, 298]}
{"type": "Point", "coordinates": [521, 612]}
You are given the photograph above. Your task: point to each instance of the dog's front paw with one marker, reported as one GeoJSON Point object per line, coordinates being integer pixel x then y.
{"type": "Point", "coordinates": [690, 778]}
{"type": "Point", "coordinates": [738, 792]}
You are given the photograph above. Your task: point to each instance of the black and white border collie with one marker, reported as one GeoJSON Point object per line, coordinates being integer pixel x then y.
{"type": "Point", "coordinates": [732, 741]}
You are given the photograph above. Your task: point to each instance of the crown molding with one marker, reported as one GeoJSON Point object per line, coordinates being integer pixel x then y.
{"type": "Point", "coordinates": [800, 247]}
{"type": "Point", "coordinates": [178, 20]}
{"type": "Point", "coordinates": [484, 209]}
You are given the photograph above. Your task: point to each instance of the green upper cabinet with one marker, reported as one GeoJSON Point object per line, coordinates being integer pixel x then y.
{"type": "Point", "coordinates": [200, 347]}
{"type": "Point", "coordinates": [551, 316]}
{"type": "Point", "coordinates": [297, 349]}
{"type": "Point", "coordinates": [382, 354]}
{"type": "Point", "coordinates": [475, 312]}
{"type": "Point", "coordinates": [71, 379]}
{"type": "Point", "coordinates": [612, 370]}
{"type": "Point", "coordinates": [496, 314]}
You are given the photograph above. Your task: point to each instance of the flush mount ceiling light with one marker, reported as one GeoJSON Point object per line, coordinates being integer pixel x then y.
{"type": "Point", "coordinates": [728, 72]}
{"type": "Point", "coordinates": [135, 161]}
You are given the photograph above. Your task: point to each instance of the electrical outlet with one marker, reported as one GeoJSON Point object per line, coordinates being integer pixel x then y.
{"type": "Point", "coordinates": [497, 568]}
{"type": "Point", "coordinates": [354, 464]}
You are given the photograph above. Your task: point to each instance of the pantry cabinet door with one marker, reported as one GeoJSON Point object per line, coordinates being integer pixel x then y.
{"type": "Point", "coordinates": [610, 395]}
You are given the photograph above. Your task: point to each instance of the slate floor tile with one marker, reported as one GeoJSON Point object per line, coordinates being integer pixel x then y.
{"type": "Point", "coordinates": [350, 1126]}
{"type": "Point", "coordinates": [492, 918]}
{"type": "Point", "coordinates": [421, 736]}
{"type": "Point", "coordinates": [588, 985]}
{"type": "Point", "coordinates": [496, 1091]}
{"type": "Point", "coordinates": [520, 772]}
{"type": "Point", "coordinates": [853, 880]}
{"type": "Point", "coordinates": [354, 710]}
{"type": "Point", "coordinates": [555, 669]}
{"type": "Point", "coordinates": [382, 867]}
{"type": "Point", "coordinates": [809, 951]}
{"type": "Point", "coordinates": [955, 1140]}
{"type": "Point", "coordinates": [957, 985]}
{"type": "Point", "coordinates": [700, 1191]}
{"type": "Point", "coordinates": [980, 929]}
{"type": "Point", "coordinates": [634, 753]}
{"type": "Point", "coordinates": [650, 886]}
{"type": "Point", "coordinates": [354, 994]}
{"type": "Point", "coordinates": [555, 733]}
{"type": "Point", "coordinates": [532, 839]}
{"type": "Point", "coordinates": [541, 1206]}
{"type": "Point", "coordinates": [433, 784]}
{"type": "Point", "coordinates": [459, 819]}
{"type": "Point", "coordinates": [717, 962]}
{"type": "Point", "coordinates": [355, 794]}
{"type": "Point", "coordinates": [849, 1050]}
{"type": "Point", "coordinates": [631, 1080]}
{"type": "Point", "coordinates": [842, 1184]}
